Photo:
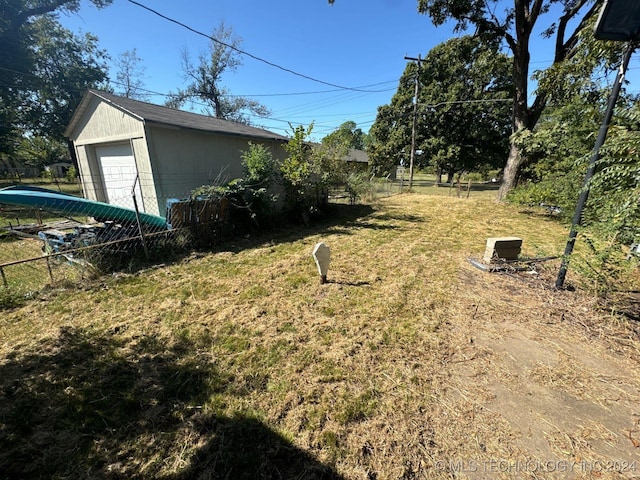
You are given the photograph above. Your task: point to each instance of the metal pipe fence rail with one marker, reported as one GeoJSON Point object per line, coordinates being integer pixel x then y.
{"type": "Point", "coordinates": [40, 247]}
{"type": "Point", "coordinates": [80, 263]}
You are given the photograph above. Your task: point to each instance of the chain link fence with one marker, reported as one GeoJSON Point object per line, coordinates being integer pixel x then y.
{"type": "Point", "coordinates": [64, 239]}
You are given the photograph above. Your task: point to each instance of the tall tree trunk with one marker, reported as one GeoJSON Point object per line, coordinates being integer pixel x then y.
{"type": "Point", "coordinates": [523, 118]}
{"type": "Point", "coordinates": [510, 176]}
{"type": "Point", "coordinates": [526, 14]}
{"type": "Point", "coordinates": [450, 174]}
{"type": "Point", "coordinates": [520, 48]}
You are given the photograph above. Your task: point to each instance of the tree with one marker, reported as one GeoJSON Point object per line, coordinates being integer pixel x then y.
{"type": "Point", "coordinates": [331, 154]}
{"type": "Point", "coordinates": [129, 76]}
{"type": "Point", "coordinates": [64, 67]}
{"type": "Point", "coordinates": [391, 132]}
{"type": "Point", "coordinates": [297, 168]}
{"type": "Point", "coordinates": [463, 119]}
{"type": "Point", "coordinates": [300, 180]}
{"type": "Point", "coordinates": [28, 57]}
{"type": "Point", "coordinates": [615, 200]}
{"type": "Point", "coordinates": [558, 151]}
{"type": "Point", "coordinates": [465, 84]}
{"type": "Point", "coordinates": [347, 134]}
{"type": "Point", "coordinates": [38, 152]}
{"type": "Point", "coordinates": [14, 14]}
{"type": "Point", "coordinates": [205, 79]}
{"type": "Point", "coordinates": [515, 27]}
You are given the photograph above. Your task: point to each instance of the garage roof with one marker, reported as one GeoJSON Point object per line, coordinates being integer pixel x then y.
{"type": "Point", "coordinates": [150, 113]}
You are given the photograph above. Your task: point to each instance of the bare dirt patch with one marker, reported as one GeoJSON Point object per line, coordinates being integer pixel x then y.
{"type": "Point", "coordinates": [559, 380]}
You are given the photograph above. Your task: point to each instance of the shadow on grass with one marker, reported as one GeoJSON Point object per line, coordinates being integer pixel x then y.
{"type": "Point", "coordinates": [94, 405]}
{"type": "Point", "coordinates": [543, 213]}
{"type": "Point", "coordinates": [350, 284]}
{"type": "Point", "coordinates": [337, 219]}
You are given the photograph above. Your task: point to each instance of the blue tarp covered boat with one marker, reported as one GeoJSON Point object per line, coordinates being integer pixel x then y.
{"type": "Point", "coordinates": [50, 200]}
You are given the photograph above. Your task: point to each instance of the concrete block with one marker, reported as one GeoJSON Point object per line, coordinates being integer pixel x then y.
{"type": "Point", "coordinates": [502, 248]}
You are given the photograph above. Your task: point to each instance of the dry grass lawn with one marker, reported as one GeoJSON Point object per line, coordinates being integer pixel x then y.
{"type": "Point", "coordinates": [409, 363]}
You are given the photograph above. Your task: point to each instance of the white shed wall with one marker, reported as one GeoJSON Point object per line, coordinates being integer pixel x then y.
{"type": "Point", "coordinates": [184, 160]}
{"type": "Point", "coordinates": [102, 123]}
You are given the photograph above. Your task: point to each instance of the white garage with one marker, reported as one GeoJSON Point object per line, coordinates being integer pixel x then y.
{"type": "Point", "coordinates": [120, 174]}
{"type": "Point", "coordinates": [123, 146]}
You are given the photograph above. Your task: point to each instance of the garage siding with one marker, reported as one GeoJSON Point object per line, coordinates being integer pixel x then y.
{"type": "Point", "coordinates": [185, 160]}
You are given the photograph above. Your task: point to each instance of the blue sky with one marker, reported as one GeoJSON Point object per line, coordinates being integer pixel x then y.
{"type": "Point", "coordinates": [354, 43]}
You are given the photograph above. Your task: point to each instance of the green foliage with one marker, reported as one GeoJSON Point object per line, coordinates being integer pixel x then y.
{"type": "Point", "coordinates": [250, 195]}
{"type": "Point", "coordinates": [296, 169]}
{"type": "Point", "coordinates": [357, 185]}
{"type": "Point", "coordinates": [259, 165]}
{"type": "Point", "coordinates": [44, 70]}
{"type": "Point", "coordinates": [39, 151]}
{"type": "Point", "coordinates": [604, 265]}
{"type": "Point", "coordinates": [558, 151]}
{"type": "Point", "coordinates": [614, 209]}
{"type": "Point", "coordinates": [260, 171]}
{"type": "Point", "coordinates": [512, 24]}
{"type": "Point", "coordinates": [391, 131]}
{"type": "Point", "coordinates": [66, 65]}
{"type": "Point", "coordinates": [463, 112]}
{"type": "Point", "coordinates": [72, 174]}
{"type": "Point", "coordinates": [584, 72]}
{"type": "Point", "coordinates": [303, 187]}
{"type": "Point", "coordinates": [561, 147]}
{"type": "Point", "coordinates": [10, 298]}
{"type": "Point", "coordinates": [347, 135]}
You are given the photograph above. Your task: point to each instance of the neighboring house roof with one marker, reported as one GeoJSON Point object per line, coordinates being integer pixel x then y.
{"type": "Point", "coordinates": [150, 113]}
{"type": "Point", "coordinates": [357, 156]}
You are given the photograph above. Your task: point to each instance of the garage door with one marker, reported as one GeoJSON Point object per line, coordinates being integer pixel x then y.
{"type": "Point", "coordinates": [119, 172]}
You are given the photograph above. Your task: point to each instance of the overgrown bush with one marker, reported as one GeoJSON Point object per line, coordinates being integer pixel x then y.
{"type": "Point", "coordinates": [251, 196]}
{"type": "Point", "coordinates": [357, 186]}
{"type": "Point", "coordinates": [303, 186]}
{"type": "Point", "coordinates": [605, 266]}
{"type": "Point", "coordinates": [72, 175]}
{"type": "Point", "coordinates": [560, 150]}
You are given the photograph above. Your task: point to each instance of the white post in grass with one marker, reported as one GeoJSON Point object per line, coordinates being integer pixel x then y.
{"type": "Point", "coordinates": [322, 256]}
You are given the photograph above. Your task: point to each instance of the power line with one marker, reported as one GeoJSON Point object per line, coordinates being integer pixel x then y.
{"type": "Point", "coordinates": [453, 102]}
{"type": "Point", "coordinates": [319, 104]}
{"type": "Point", "coordinates": [317, 92]}
{"type": "Point", "coordinates": [250, 55]}
{"type": "Point", "coordinates": [281, 94]}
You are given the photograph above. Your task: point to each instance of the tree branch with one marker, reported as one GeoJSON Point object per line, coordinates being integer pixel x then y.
{"type": "Point", "coordinates": [563, 48]}
{"type": "Point", "coordinates": [534, 13]}
{"type": "Point", "coordinates": [26, 14]}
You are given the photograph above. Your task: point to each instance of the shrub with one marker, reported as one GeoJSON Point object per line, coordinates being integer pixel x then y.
{"type": "Point", "coordinates": [249, 196]}
{"type": "Point", "coordinates": [357, 185]}
{"type": "Point", "coordinates": [72, 174]}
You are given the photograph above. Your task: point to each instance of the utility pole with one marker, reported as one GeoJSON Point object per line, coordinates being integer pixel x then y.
{"type": "Point", "coordinates": [415, 117]}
